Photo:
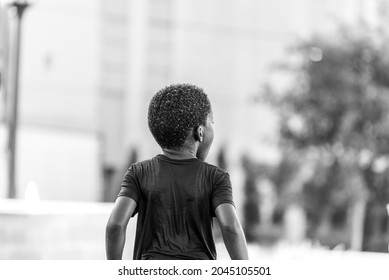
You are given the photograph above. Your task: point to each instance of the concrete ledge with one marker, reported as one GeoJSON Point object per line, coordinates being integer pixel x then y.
{"type": "Point", "coordinates": [23, 207]}
{"type": "Point", "coordinates": [55, 230]}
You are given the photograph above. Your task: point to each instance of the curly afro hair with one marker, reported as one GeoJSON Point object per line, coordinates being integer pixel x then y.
{"type": "Point", "coordinates": [175, 111]}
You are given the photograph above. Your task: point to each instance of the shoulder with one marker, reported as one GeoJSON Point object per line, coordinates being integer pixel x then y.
{"type": "Point", "coordinates": [137, 168]}
{"type": "Point", "coordinates": [213, 167]}
{"type": "Point", "coordinates": [143, 163]}
{"type": "Point", "coordinates": [216, 172]}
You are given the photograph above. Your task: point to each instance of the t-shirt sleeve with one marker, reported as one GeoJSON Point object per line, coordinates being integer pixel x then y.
{"type": "Point", "coordinates": [222, 192]}
{"type": "Point", "coordinates": [130, 186]}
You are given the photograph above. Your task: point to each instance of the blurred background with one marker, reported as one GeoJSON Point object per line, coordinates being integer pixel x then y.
{"type": "Point", "coordinates": [300, 94]}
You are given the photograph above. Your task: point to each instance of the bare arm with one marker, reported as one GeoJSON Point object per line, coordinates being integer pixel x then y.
{"type": "Point", "coordinates": [232, 232]}
{"type": "Point", "coordinates": [115, 235]}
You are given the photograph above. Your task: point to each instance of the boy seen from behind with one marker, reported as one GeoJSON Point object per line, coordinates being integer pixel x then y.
{"type": "Point", "coordinates": [176, 194]}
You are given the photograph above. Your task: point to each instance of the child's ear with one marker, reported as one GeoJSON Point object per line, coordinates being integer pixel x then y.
{"type": "Point", "coordinates": [199, 133]}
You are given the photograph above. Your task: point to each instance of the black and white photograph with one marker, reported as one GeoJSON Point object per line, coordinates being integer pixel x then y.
{"type": "Point", "coordinates": [216, 130]}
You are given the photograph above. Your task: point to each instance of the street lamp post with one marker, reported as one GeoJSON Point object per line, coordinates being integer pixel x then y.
{"type": "Point", "coordinates": [19, 7]}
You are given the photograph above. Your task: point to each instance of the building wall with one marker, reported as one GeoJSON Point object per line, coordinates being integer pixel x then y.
{"type": "Point", "coordinates": [89, 69]}
{"type": "Point", "coordinates": [114, 45]}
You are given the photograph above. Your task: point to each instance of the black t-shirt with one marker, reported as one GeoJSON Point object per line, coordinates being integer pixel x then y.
{"type": "Point", "coordinates": [176, 201]}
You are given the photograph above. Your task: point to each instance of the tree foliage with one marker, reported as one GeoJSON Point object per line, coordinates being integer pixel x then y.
{"type": "Point", "coordinates": [335, 118]}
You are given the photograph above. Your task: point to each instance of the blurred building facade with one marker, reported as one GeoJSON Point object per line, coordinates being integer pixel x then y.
{"type": "Point", "coordinates": [89, 69]}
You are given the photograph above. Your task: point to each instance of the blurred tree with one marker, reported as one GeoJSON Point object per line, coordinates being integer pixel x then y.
{"type": "Point", "coordinates": [113, 176]}
{"type": "Point", "coordinates": [260, 221]}
{"type": "Point", "coordinates": [250, 206]}
{"type": "Point", "coordinates": [335, 136]}
{"type": "Point", "coordinates": [221, 159]}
